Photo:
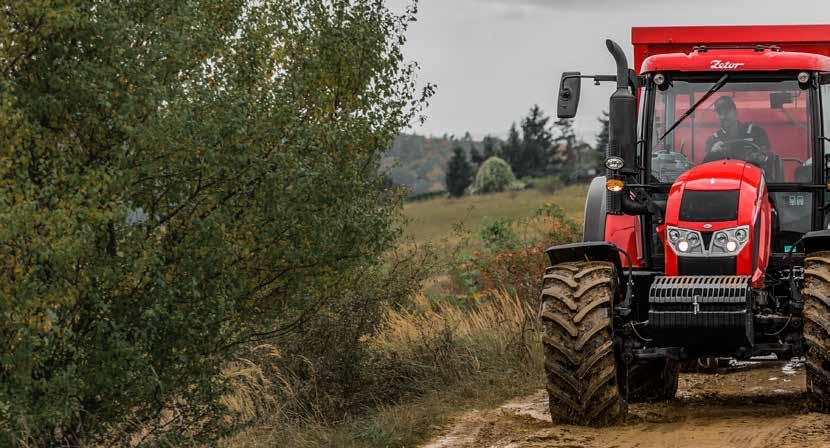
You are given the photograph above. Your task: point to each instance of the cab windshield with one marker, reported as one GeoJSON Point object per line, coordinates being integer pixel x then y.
{"type": "Point", "coordinates": [762, 122]}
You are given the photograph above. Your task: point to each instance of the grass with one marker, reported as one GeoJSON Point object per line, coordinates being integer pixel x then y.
{"type": "Point", "coordinates": [434, 221]}
{"type": "Point", "coordinates": [476, 358]}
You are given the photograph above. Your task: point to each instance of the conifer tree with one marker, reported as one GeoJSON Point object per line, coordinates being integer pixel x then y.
{"type": "Point", "coordinates": [537, 143]}
{"type": "Point", "coordinates": [459, 173]}
{"type": "Point", "coordinates": [512, 149]}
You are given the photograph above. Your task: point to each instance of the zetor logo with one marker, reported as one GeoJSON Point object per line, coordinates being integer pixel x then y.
{"type": "Point", "coordinates": [717, 64]}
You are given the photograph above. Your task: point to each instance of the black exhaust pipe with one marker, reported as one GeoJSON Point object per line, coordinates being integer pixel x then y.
{"type": "Point", "coordinates": [622, 141]}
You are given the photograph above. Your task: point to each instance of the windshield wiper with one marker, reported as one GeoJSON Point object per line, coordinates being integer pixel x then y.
{"type": "Point", "coordinates": [694, 107]}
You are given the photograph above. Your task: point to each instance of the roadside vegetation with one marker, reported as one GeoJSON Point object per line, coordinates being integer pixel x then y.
{"type": "Point", "coordinates": [182, 184]}
{"type": "Point", "coordinates": [200, 246]}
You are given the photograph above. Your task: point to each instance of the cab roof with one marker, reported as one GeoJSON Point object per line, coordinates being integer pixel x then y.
{"type": "Point", "coordinates": [737, 59]}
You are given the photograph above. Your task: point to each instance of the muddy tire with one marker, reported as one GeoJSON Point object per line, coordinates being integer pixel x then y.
{"type": "Point", "coordinates": [816, 293]}
{"type": "Point", "coordinates": [580, 363]}
{"type": "Point", "coordinates": [653, 380]}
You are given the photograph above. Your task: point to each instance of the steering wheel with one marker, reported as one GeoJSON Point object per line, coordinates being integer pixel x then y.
{"type": "Point", "coordinates": [739, 149]}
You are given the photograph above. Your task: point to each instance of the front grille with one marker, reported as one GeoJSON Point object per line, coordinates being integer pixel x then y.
{"type": "Point", "coordinates": [707, 265]}
{"type": "Point", "coordinates": [716, 311]}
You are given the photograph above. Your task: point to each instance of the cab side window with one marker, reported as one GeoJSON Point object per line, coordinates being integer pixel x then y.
{"type": "Point", "coordinates": [825, 110]}
{"type": "Point", "coordinates": [825, 113]}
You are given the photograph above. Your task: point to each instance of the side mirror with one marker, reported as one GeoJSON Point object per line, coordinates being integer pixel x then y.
{"type": "Point", "coordinates": [777, 100]}
{"type": "Point", "coordinates": [569, 89]}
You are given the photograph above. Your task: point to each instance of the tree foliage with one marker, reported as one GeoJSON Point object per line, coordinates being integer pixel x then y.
{"type": "Point", "coordinates": [476, 157]}
{"type": "Point", "coordinates": [491, 147]}
{"type": "Point", "coordinates": [512, 148]}
{"type": "Point", "coordinates": [180, 179]}
{"type": "Point", "coordinates": [495, 175]}
{"type": "Point", "coordinates": [459, 173]}
{"type": "Point", "coordinates": [537, 144]}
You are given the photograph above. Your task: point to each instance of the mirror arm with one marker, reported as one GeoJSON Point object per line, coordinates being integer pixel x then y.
{"type": "Point", "coordinates": [597, 78]}
{"type": "Point", "coordinates": [633, 78]}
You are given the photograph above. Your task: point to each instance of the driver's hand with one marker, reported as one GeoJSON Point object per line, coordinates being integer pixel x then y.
{"type": "Point", "coordinates": [719, 146]}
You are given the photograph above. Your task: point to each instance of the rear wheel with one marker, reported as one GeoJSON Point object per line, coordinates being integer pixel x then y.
{"type": "Point", "coordinates": [816, 293]}
{"type": "Point", "coordinates": [653, 380]}
{"type": "Point", "coordinates": [581, 367]}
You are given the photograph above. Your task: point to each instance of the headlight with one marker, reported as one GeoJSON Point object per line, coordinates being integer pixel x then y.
{"type": "Point", "coordinates": [727, 242]}
{"type": "Point", "coordinates": [685, 242]}
{"type": "Point", "coordinates": [694, 240]}
{"type": "Point", "coordinates": [614, 163]}
{"type": "Point", "coordinates": [741, 235]}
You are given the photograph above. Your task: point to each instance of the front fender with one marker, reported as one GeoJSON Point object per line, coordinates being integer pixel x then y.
{"type": "Point", "coordinates": [595, 211]}
{"type": "Point", "coordinates": [587, 251]}
{"type": "Point", "coordinates": [816, 241]}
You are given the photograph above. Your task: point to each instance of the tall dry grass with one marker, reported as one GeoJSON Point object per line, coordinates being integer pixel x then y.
{"type": "Point", "coordinates": [452, 340]}
{"type": "Point", "coordinates": [433, 346]}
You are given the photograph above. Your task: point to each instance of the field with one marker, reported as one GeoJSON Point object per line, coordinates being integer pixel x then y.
{"type": "Point", "coordinates": [434, 221]}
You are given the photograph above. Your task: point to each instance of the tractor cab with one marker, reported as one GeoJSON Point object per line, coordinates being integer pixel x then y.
{"type": "Point", "coordinates": [708, 234]}
{"type": "Point", "coordinates": [758, 105]}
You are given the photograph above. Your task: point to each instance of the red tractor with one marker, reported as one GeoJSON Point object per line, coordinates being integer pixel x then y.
{"type": "Point", "coordinates": [707, 237]}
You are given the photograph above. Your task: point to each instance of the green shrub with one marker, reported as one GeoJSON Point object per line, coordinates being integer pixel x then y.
{"type": "Point", "coordinates": [514, 256]}
{"type": "Point", "coordinates": [498, 235]}
{"type": "Point", "coordinates": [179, 181]}
{"type": "Point", "coordinates": [494, 176]}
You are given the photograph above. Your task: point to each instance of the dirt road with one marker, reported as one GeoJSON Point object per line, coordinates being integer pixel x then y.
{"type": "Point", "coordinates": [754, 407]}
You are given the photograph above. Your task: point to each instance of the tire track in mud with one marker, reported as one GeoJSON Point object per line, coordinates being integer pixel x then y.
{"type": "Point", "coordinates": [759, 407]}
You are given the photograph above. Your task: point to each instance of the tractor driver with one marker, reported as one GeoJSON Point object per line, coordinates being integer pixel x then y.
{"type": "Point", "coordinates": [736, 140]}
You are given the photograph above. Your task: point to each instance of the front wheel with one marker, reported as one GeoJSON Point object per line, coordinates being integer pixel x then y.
{"type": "Point", "coordinates": [653, 380]}
{"type": "Point", "coordinates": [580, 362]}
{"type": "Point", "coordinates": [816, 293]}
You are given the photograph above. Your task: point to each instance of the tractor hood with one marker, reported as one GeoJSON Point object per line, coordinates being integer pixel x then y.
{"type": "Point", "coordinates": [716, 180]}
{"type": "Point", "coordinates": [719, 175]}
{"type": "Point", "coordinates": [712, 199]}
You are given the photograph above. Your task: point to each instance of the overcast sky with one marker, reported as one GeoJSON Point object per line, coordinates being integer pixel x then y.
{"type": "Point", "coordinates": [493, 59]}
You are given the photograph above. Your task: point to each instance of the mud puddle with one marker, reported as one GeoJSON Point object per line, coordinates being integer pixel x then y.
{"type": "Point", "coordinates": [759, 407]}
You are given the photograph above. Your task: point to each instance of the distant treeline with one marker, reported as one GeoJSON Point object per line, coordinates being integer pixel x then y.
{"type": "Point", "coordinates": [535, 147]}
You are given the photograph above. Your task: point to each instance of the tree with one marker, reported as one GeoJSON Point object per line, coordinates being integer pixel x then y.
{"type": "Point", "coordinates": [603, 136]}
{"type": "Point", "coordinates": [537, 144]}
{"type": "Point", "coordinates": [169, 198]}
{"type": "Point", "coordinates": [459, 173]}
{"type": "Point", "coordinates": [491, 147]}
{"type": "Point", "coordinates": [476, 157]}
{"type": "Point", "coordinates": [565, 157]}
{"type": "Point", "coordinates": [512, 149]}
{"type": "Point", "coordinates": [495, 176]}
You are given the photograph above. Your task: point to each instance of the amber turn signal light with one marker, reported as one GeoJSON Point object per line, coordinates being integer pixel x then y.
{"type": "Point", "coordinates": [615, 185]}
